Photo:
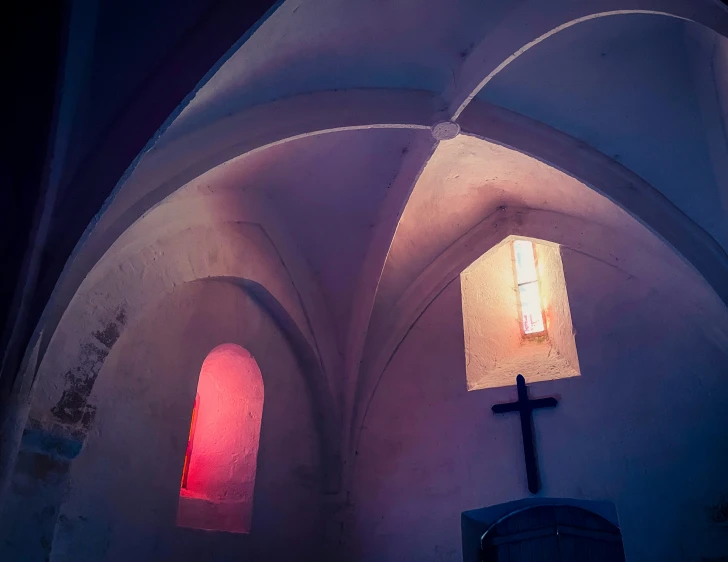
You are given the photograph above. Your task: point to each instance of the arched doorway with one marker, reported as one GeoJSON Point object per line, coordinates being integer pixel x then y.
{"type": "Point", "coordinates": [552, 533]}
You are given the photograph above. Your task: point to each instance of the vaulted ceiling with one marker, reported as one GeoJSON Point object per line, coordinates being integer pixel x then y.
{"type": "Point", "coordinates": [321, 126]}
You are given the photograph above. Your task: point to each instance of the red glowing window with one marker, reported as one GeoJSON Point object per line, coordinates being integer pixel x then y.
{"type": "Point", "coordinates": [218, 474]}
{"type": "Point", "coordinates": [190, 439]}
{"type": "Point", "coordinates": [529, 291]}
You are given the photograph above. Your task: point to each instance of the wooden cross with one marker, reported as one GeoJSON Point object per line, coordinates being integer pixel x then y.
{"type": "Point", "coordinates": [524, 406]}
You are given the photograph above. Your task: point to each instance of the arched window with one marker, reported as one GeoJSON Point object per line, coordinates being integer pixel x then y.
{"type": "Point", "coordinates": [218, 476]}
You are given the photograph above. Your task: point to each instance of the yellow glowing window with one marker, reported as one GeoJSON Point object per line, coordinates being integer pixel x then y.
{"type": "Point", "coordinates": [529, 293]}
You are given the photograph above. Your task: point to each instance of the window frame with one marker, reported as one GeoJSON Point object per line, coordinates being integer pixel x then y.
{"type": "Point", "coordinates": [190, 441]}
{"type": "Point", "coordinates": [533, 335]}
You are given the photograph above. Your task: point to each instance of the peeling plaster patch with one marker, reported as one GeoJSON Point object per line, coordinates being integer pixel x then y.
{"type": "Point", "coordinates": [108, 335]}
{"type": "Point", "coordinates": [89, 414]}
{"type": "Point", "coordinates": [72, 408]}
{"type": "Point", "coordinates": [92, 358]}
{"type": "Point", "coordinates": [121, 316]}
{"type": "Point", "coordinates": [54, 444]}
{"type": "Point", "coordinates": [111, 333]}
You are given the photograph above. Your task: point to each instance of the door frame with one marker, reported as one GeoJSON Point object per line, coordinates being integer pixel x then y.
{"type": "Point", "coordinates": [475, 523]}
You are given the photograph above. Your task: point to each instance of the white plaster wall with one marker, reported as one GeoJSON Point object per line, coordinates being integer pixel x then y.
{"type": "Point", "coordinates": [131, 277]}
{"type": "Point", "coordinates": [124, 488]}
{"type": "Point", "coordinates": [624, 85]}
{"type": "Point", "coordinates": [708, 57]}
{"type": "Point", "coordinates": [327, 191]}
{"type": "Point", "coordinates": [643, 427]}
{"type": "Point", "coordinates": [491, 327]}
{"type": "Point", "coordinates": [555, 298]}
{"type": "Point", "coordinates": [335, 44]}
{"type": "Point", "coordinates": [467, 181]}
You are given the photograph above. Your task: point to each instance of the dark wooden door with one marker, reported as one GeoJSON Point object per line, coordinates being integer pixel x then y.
{"type": "Point", "coordinates": [553, 534]}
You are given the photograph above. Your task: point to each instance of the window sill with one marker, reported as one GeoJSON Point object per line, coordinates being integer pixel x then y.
{"type": "Point", "coordinates": [198, 512]}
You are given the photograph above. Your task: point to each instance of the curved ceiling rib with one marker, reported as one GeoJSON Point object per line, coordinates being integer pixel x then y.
{"type": "Point", "coordinates": [324, 112]}
{"type": "Point", "coordinates": [224, 26]}
{"type": "Point", "coordinates": [375, 258]}
{"type": "Point", "coordinates": [513, 38]}
{"type": "Point", "coordinates": [158, 174]}
{"type": "Point", "coordinates": [679, 237]}
{"type": "Point", "coordinates": [608, 177]}
{"type": "Point", "coordinates": [250, 131]}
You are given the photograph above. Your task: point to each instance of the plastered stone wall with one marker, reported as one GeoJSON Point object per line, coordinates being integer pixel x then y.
{"type": "Point", "coordinates": [124, 488]}
{"type": "Point", "coordinates": [642, 428]}
{"type": "Point", "coordinates": [490, 318]}
{"type": "Point", "coordinates": [626, 86]}
{"type": "Point", "coordinates": [555, 295]}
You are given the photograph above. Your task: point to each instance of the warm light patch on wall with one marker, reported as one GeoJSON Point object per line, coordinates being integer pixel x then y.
{"type": "Point", "coordinates": [218, 473]}
{"type": "Point", "coordinates": [516, 315]}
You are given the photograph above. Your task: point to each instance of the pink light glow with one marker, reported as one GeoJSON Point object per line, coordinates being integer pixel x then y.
{"type": "Point", "coordinates": [529, 294]}
{"type": "Point", "coordinates": [223, 460]}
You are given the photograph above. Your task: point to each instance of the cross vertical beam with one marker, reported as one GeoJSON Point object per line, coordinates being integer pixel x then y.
{"type": "Point", "coordinates": [525, 407]}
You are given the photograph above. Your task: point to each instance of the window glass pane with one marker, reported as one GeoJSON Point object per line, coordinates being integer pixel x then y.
{"type": "Point", "coordinates": [531, 317]}
{"type": "Point", "coordinates": [525, 262]}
